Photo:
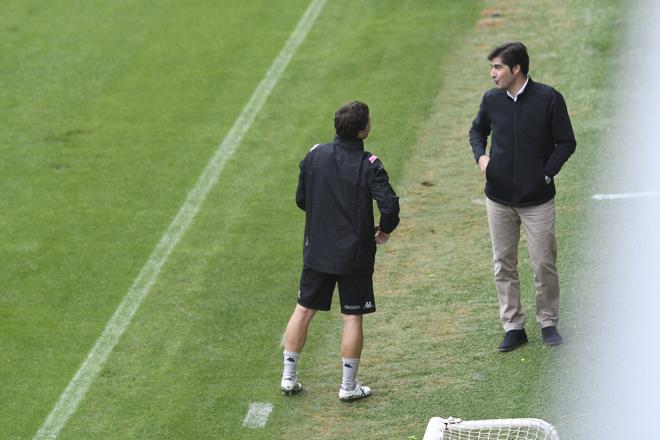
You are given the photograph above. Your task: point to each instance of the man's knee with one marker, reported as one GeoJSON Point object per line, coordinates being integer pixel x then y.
{"type": "Point", "coordinates": [352, 320]}
{"type": "Point", "coordinates": [505, 268]}
{"type": "Point", "coordinates": [304, 313]}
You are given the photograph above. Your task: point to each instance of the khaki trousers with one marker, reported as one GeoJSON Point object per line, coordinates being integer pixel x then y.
{"type": "Point", "coordinates": [539, 224]}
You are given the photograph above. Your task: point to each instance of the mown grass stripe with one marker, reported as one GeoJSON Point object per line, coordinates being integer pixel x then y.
{"type": "Point", "coordinates": [257, 415]}
{"type": "Point", "coordinates": [96, 358]}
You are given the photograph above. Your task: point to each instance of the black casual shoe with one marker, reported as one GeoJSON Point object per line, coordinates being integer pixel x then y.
{"type": "Point", "coordinates": [513, 339]}
{"type": "Point", "coordinates": [551, 336]}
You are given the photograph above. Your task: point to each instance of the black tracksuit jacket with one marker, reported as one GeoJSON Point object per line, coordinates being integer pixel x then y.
{"type": "Point", "coordinates": [531, 138]}
{"type": "Point", "coordinates": [336, 188]}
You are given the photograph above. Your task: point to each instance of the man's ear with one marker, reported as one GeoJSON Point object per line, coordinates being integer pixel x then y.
{"type": "Point", "coordinates": [516, 69]}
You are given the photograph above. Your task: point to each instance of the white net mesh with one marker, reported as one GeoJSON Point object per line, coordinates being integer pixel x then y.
{"type": "Point", "coordinates": [501, 429]}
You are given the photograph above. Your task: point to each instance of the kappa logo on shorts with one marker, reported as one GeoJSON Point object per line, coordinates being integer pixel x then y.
{"type": "Point", "coordinates": [368, 305]}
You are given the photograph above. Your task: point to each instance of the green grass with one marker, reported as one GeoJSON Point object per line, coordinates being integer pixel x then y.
{"type": "Point", "coordinates": [107, 127]}
{"type": "Point", "coordinates": [111, 111]}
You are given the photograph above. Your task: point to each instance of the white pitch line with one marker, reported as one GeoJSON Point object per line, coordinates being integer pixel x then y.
{"type": "Point", "coordinates": [257, 415]}
{"type": "Point", "coordinates": [98, 355]}
{"type": "Point", "coordinates": [635, 195]}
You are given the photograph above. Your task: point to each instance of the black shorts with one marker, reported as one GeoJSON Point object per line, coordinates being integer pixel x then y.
{"type": "Point", "coordinates": [356, 292]}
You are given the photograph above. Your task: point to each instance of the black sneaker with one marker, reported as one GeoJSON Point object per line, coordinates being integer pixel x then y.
{"type": "Point", "coordinates": [513, 339]}
{"type": "Point", "coordinates": [551, 336]}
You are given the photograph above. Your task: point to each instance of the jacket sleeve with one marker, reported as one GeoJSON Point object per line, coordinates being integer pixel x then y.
{"type": "Point", "coordinates": [480, 131]}
{"type": "Point", "coordinates": [300, 190]}
{"type": "Point", "coordinates": [562, 134]}
{"type": "Point", "coordinates": [386, 198]}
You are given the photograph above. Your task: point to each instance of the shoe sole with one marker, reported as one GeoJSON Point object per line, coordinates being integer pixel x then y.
{"type": "Point", "coordinates": [553, 343]}
{"type": "Point", "coordinates": [291, 392]}
{"type": "Point", "coordinates": [504, 350]}
{"type": "Point", "coordinates": [350, 399]}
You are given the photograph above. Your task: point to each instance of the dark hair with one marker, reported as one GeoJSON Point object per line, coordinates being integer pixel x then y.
{"type": "Point", "coordinates": [512, 54]}
{"type": "Point", "coordinates": [351, 118]}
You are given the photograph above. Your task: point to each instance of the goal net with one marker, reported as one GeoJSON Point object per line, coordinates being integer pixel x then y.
{"type": "Point", "coordinates": [499, 429]}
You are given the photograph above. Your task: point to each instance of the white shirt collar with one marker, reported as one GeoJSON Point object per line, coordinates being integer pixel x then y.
{"type": "Point", "coordinates": [522, 89]}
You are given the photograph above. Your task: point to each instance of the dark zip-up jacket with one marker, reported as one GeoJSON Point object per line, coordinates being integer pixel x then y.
{"type": "Point", "coordinates": [336, 188]}
{"type": "Point", "coordinates": [531, 138]}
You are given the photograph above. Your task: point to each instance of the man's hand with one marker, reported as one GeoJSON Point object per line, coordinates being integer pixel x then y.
{"type": "Point", "coordinates": [483, 163]}
{"type": "Point", "coordinates": [381, 237]}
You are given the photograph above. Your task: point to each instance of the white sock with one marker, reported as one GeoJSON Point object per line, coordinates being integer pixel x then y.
{"type": "Point", "coordinates": [290, 365]}
{"type": "Point", "coordinates": [350, 367]}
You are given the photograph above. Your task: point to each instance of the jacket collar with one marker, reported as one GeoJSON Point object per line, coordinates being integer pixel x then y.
{"type": "Point", "coordinates": [529, 87]}
{"type": "Point", "coordinates": [520, 91]}
{"type": "Point", "coordinates": [352, 144]}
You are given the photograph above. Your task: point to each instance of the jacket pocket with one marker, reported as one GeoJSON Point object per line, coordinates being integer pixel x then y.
{"type": "Point", "coordinates": [492, 174]}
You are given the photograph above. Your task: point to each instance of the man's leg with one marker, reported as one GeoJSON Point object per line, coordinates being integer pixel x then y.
{"type": "Point", "coordinates": [352, 336]}
{"type": "Point", "coordinates": [294, 341]}
{"type": "Point", "coordinates": [296, 330]}
{"type": "Point", "coordinates": [356, 295]}
{"type": "Point", "coordinates": [504, 225]}
{"type": "Point", "coordinates": [351, 349]}
{"type": "Point", "coordinates": [315, 294]}
{"type": "Point", "coordinates": [539, 224]}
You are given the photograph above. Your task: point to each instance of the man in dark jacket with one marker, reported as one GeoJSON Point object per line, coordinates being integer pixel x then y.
{"type": "Point", "coordinates": [531, 138]}
{"type": "Point", "coordinates": [336, 188]}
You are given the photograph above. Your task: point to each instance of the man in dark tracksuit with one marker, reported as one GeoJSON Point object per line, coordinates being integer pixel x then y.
{"type": "Point", "coordinates": [531, 138]}
{"type": "Point", "coordinates": [336, 188]}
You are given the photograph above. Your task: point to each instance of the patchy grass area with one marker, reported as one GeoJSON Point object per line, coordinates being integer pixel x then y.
{"type": "Point", "coordinates": [434, 338]}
